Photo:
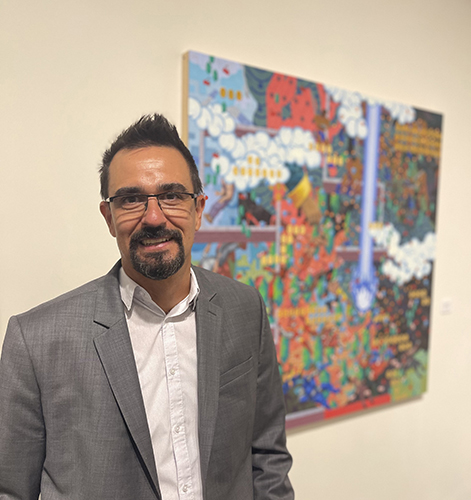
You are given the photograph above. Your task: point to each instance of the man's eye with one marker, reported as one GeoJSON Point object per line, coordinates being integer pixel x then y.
{"type": "Point", "coordinates": [172, 196]}
{"type": "Point", "coordinates": [131, 199]}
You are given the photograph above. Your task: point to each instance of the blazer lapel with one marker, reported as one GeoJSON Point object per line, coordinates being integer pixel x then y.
{"type": "Point", "coordinates": [208, 328]}
{"type": "Point", "coordinates": [115, 351]}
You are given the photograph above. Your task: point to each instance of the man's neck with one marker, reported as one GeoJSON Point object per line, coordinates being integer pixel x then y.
{"type": "Point", "coordinates": [165, 293]}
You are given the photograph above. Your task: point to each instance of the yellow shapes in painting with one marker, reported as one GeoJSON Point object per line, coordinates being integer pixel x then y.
{"type": "Point", "coordinates": [252, 168]}
{"type": "Point", "coordinates": [230, 93]}
{"type": "Point", "coordinates": [416, 138]}
{"type": "Point", "coordinates": [272, 260]}
{"type": "Point", "coordinates": [331, 157]}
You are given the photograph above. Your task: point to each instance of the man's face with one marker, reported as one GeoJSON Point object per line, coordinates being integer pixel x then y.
{"type": "Point", "coordinates": [152, 244]}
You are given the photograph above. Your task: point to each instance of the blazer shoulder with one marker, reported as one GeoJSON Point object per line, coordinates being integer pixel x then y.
{"type": "Point", "coordinates": [72, 299]}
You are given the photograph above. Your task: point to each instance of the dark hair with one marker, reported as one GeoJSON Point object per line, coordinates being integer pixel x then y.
{"type": "Point", "coordinates": [149, 130]}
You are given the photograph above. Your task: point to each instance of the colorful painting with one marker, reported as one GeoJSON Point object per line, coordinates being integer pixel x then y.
{"type": "Point", "coordinates": [324, 200]}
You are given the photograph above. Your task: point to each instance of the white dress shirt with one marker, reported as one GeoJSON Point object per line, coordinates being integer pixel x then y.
{"type": "Point", "coordinates": [164, 348]}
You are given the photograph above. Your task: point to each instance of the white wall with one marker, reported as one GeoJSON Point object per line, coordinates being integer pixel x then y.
{"type": "Point", "coordinates": [75, 72]}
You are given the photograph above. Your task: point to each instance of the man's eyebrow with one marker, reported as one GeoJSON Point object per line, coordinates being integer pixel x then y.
{"type": "Point", "coordinates": [172, 186]}
{"type": "Point", "coordinates": [127, 190]}
{"type": "Point", "coordinates": [161, 188]}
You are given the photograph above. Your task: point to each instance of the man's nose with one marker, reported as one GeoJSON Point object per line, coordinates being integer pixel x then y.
{"type": "Point", "coordinates": [153, 216]}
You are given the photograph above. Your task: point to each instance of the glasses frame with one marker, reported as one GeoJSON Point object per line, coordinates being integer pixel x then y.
{"type": "Point", "coordinates": [110, 199]}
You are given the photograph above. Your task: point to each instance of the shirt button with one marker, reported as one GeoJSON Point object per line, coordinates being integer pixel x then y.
{"type": "Point", "coordinates": [185, 488]}
{"type": "Point", "coordinates": [172, 371]}
{"type": "Point", "coordinates": [177, 429]}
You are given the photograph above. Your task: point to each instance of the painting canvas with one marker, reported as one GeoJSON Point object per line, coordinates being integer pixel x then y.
{"type": "Point", "coordinates": [324, 200]}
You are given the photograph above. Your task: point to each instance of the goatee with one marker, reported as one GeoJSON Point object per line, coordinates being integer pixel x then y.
{"type": "Point", "coordinates": [155, 266]}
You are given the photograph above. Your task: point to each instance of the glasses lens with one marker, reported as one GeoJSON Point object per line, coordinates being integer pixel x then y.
{"type": "Point", "coordinates": [175, 202]}
{"type": "Point", "coordinates": [130, 202]}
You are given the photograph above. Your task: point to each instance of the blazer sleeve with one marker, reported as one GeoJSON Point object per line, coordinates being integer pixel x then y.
{"type": "Point", "coordinates": [271, 460]}
{"type": "Point", "coordinates": [22, 432]}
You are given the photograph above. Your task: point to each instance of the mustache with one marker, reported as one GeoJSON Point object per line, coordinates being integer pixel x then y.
{"type": "Point", "coordinates": [155, 232]}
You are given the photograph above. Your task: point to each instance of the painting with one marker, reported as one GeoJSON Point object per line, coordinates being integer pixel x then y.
{"type": "Point", "coordinates": [325, 201]}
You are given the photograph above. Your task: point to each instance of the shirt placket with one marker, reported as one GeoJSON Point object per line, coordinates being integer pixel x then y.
{"type": "Point", "coordinates": [177, 418]}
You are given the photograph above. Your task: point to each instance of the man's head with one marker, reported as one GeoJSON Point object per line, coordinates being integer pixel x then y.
{"type": "Point", "coordinates": [154, 234]}
{"type": "Point", "coordinates": [149, 130]}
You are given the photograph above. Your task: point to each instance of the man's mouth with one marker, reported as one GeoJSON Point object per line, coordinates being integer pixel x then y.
{"type": "Point", "coordinates": [155, 239]}
{"type": "Point", "coordinates": [148, 242]}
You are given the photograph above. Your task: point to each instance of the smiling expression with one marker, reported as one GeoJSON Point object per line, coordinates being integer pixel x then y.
{"type": "Point", "coordinates": [152, 245]}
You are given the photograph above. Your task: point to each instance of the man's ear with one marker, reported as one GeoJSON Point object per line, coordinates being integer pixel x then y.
{"type": "Point", "coordinates": [200, 203]}
{"type": "Point", "coordinates": [106, 212]}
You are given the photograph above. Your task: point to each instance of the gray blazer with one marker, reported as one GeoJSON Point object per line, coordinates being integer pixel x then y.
{"type": "Point", "coordinates": [72, 418]}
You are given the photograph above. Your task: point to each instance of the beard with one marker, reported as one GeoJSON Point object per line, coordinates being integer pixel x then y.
{"type": "Point", "coordinates": [155, 266]}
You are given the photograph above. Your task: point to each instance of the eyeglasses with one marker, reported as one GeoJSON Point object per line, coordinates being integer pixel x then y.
{"type": "Point", "coordinates": [171, 203]}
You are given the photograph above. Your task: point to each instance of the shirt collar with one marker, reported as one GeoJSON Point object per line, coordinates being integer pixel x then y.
{"type": "Point", "coordinates": [130, 290]}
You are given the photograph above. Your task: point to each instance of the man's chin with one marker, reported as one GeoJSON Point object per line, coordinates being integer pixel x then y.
{"type": "Point", "coordinates": [157, 268]}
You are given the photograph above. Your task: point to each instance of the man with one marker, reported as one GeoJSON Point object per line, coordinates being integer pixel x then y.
{"type": "Point", "coordinates": [157, 380]}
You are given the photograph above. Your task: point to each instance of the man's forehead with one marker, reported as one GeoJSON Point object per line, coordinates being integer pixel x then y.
{"type": "Point", "coordinates": [142, 151]}
{"type": "Point", "coordinates": [149, 160]}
